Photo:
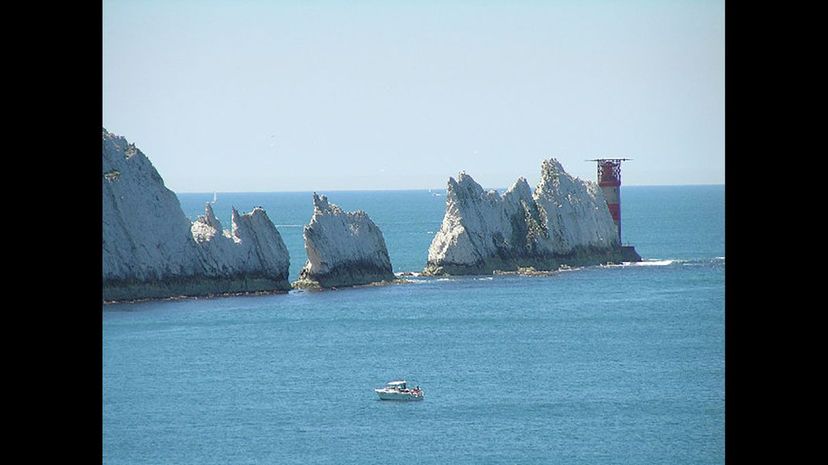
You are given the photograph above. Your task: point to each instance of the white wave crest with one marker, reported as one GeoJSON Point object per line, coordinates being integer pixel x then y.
{"type": "Point", "coordinates": [404, 274]}
{"type": "Point", "coordinates": [575, 268]}
{"type": "Point", "coordinates": [653, 262]}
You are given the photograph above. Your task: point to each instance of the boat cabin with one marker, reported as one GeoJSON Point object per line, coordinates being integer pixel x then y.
{"type": "Point", "coordinates": [401, 385]}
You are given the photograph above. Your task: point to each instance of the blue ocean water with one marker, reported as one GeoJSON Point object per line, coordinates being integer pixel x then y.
{"type": "Point", "coordinates": [617, 364]}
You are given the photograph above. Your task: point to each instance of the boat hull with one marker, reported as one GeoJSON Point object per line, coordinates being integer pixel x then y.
{"type": "Point", "coordinates": [404, 396]}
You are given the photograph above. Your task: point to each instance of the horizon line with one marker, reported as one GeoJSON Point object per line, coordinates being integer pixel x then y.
{"type": "Point", "coordinates": [407, 190]}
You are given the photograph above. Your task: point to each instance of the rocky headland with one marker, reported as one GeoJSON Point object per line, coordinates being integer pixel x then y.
{"type": "Point", "coordinates": [343, 248]}
{"type": "Point", "coordinates": [152, 250]}
{"type": "Point", "coordinates": [564, 221]}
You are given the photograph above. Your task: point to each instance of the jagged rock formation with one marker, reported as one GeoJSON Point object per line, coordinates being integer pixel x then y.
{"type": "Point", "coordinates": [565, 221]}
{"type": "Point", "coordinates": [344, 249]}
{"type": "Point", "coordinates": [252, 247]}
{"type": "Point", "coordinates": [151, 250]}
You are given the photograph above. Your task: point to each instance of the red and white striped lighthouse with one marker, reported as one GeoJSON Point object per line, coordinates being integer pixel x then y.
{"type": "Point", "coordinates": [609, 178]}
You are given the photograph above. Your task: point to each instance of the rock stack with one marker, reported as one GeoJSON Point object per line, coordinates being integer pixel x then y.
{"type": "Point", "coordinates": [152, 250]}
{"type": "Point", "coordinates": [344, 249]}
{"type": "Point", "coordinates": [565, 221]}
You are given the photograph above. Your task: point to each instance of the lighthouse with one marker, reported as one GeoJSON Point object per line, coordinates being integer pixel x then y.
{"type": "Point", "coordinates": [609, 179]}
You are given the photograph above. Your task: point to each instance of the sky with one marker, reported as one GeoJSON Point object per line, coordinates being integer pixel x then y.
{"type": "Point", "coordinates": [269, 96]}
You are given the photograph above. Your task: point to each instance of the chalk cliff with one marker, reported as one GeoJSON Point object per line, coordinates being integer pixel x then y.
{"type": "Point", "coordinates": [344, 248]}
{"type": "Point", "coordinates": [152, 250]}
{"type": "Point", "coordinates": [565, 221]}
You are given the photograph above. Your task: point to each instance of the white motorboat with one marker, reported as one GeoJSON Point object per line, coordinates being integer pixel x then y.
{"type": "Point", "coordinates": [398, 390]}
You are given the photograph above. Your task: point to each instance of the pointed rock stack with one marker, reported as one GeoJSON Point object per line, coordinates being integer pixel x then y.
{"type": "Point", "coordinates": [565, 221]}
{"type": "Point", "coordinates": [343, 248]}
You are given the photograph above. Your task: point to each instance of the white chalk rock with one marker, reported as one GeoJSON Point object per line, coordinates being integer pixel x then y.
{"type": "Point", "coordinates": [252, 247]}
{"type": "Point", "coordinates": [146, 236]}
{"type": "Point", "coordinates": [565, 221]}
{"type": "Point", "coordinates": [576, 212]}
{"type": "Point", "coordinates": [151, 250]}
{"type": "Point", "coordinates": [343, 248]}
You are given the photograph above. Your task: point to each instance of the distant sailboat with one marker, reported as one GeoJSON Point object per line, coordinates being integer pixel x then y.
{"type": "Point", "coordinates": [214, 198]}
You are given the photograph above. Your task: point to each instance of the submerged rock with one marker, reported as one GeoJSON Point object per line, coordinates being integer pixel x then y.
{"type": "Point", "coordinates": [152, 250]}
{"type": "Point", "coordinates": [344, 249]}
{"type": "Point", "coordinates": [565, 221]}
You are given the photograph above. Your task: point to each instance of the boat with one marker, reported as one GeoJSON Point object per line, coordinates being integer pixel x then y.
{"type": "Point", "coordinates": [398, 390]}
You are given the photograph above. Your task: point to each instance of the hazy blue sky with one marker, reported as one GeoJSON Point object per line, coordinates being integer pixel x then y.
{"type": "Point", "coordinates": [323, 95]}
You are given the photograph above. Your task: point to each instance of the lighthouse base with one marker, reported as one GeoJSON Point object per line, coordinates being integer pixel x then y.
{"type": "Point", "coordinates": [628, 254]}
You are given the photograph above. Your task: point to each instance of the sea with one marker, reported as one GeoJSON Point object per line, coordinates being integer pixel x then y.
{"type": "Point", "coordinates": [618, 364]}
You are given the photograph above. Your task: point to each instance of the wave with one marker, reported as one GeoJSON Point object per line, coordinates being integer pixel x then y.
{"type": "Point", "coordinates": [645, 262]}
{"type": "Point", "coordinates": [410, 274]}
{"type": "Point", "coordinates": [716, 261]}
{"type": "Point", "coordinates": [569, 268]}
{"type": "Point", "coordinates": [655, 262]}
{"type": "Point", "coordinates": [671, 261]}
